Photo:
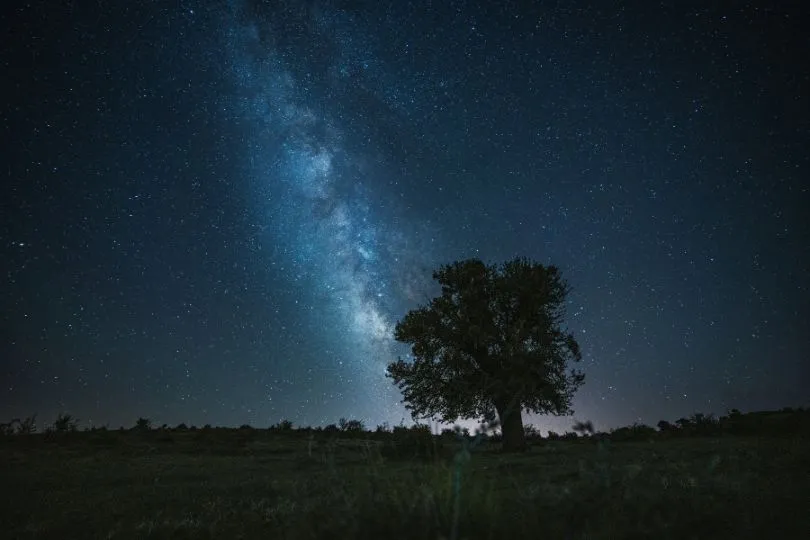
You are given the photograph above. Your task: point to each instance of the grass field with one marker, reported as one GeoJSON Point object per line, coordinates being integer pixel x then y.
{"type": "Point", "coordinates": [231, 484]}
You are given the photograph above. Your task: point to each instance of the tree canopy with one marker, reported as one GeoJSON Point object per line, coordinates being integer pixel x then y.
{"type": "Point", "coordinates": [492, 341]}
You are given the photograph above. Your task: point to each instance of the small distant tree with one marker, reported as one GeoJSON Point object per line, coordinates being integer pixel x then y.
{"type": "Point", "coordinates": [143, 424]}
{"type": "Point", "coordinates": [665, 427]}
{"type": "Point", "coordinates": [704, 424]}
{"type": "Point", "coordinates": [684, 424]}
{"type": "Point", "coordinates": [636, 432]}
{"type": "Point", "coordinates": [383, 428]}
{"type": "Point", "coordinates": [27, 426]}
{"type": "Point", "coordinates": [65, 423]}
{"type": "Point", "coordinates": [351, 426]}
{"type": "Point", "coordinates": [584, 428]}
{"type": "Point", "coordinates": [492, 342]}
{"type": "Point", "coordinates": [10, 428]}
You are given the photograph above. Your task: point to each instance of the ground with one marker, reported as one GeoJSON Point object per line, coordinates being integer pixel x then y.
{"type": "Point", "coordinates": [259, 484]}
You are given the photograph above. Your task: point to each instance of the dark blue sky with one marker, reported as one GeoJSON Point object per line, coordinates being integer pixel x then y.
{"type": "Point", "coordinates": [216, 212]}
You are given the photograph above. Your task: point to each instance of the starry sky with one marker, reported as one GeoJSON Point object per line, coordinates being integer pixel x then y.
{"type": "Point", "coordinates": [215, 212]}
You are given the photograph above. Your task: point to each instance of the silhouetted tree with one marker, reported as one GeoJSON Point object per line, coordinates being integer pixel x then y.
{"type": "Point", "coordinates": [351, 426]}
{"type": "Point", "coordinates": [636, 432]}
{"type": "Point", "coordinates": [143, 424]}
{"type": "Point", "coordinates": [65, 423]}
{"type": "Point", "coordinates": [684, 423]}
{"type": "Point", "coordinates": [665, 427]}
{"type": "Point", "coordinates": [10, 428]}
{"type": "Point", "coordinates": [492, 341]}
{"type": "Point", "coordinates": [27, 426]}
{"type": "Point", "coordinates": [584, 428]}
{"type": "Point", "coordinates": [704, 424]}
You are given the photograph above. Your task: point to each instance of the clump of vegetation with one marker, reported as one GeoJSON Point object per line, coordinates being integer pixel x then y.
{"type": "Point", "coordinates": [635, 432]}
{"type": "Point", "coordinates": [354, 427]}
{"type": "Point", "coordinates": [65, 423]}
{"type": "Point", "coordinates": [27, 426]}
{"type": "Point", "coordinates": [284, 426]}
{"type": "Point", "coordinates": [584, 428]}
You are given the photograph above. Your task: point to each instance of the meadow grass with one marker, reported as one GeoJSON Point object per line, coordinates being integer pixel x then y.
{"type": "Point", "coordinates": [270, 485]}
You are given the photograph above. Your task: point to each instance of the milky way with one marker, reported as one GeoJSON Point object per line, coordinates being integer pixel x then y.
{"type": "Point", "coordinates": [328, 206]}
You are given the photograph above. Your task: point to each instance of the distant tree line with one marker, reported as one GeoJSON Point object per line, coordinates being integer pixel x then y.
{"type": "Point", "coordinates": [785, 422]}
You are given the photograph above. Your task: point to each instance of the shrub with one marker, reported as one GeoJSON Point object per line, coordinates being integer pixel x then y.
{"type": "Point", "coordinates": [584, 428]}
{"type": "Point", "coordinates": [636, 432]}
{"type": "Point", "coordinates": [65, 423]}
{"type": "Point", "coordinates": [351, 426]}
{"type": "Point", "coordinates": [9, 429]}
{"type": "Point", "coordinates": [665, 427]}
{"type": "Point", "coordinates": [27, 426]}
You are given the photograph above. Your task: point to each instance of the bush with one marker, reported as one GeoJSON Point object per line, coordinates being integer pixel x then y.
{"type": "Point", "coordinates": [584, 428]}
{"type": "Point", "coordinates": [351, 426]}
{"type": "Point", "coordinates": [636, 432]}
{"type": "Point", "coordinates": [665, 427]}
{"type": "Point", "coordinates": [9, 429]}
{"type": "Point", "coordinates": [65, 423]}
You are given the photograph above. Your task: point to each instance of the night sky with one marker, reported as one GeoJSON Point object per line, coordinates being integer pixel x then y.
{"type": "Point", "coordinates": [216, 212]}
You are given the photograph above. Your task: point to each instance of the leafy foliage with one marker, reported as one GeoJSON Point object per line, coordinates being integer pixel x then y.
{"type": "Point", "coordinates": [491, 342]}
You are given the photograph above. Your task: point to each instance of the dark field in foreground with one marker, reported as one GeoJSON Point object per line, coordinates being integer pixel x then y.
{"type": "Point", "coordinates": [271, 485]}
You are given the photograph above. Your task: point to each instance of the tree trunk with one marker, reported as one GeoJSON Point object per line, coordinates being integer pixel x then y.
{"type": "Point", "coordinates": [514, 440]}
